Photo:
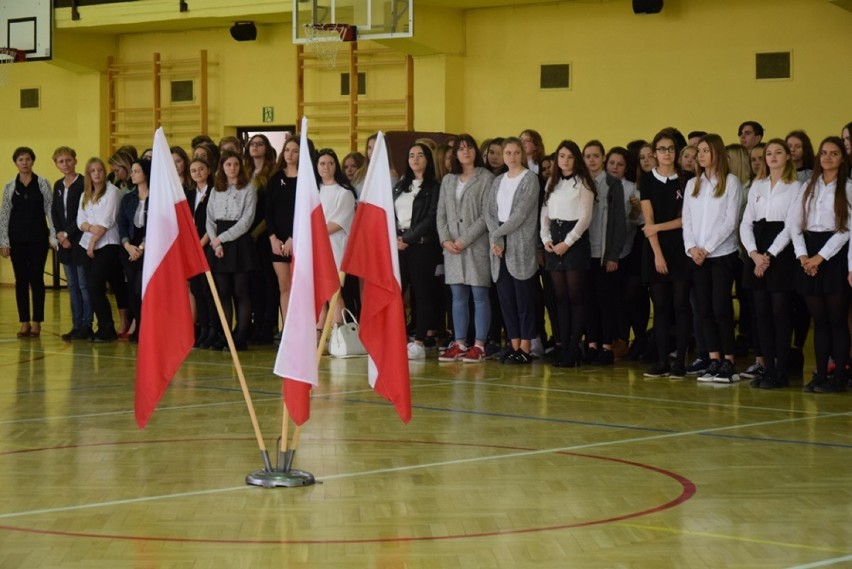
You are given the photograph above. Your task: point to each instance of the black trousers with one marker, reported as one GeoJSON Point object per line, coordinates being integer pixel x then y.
{"type": "Point", "coordinates": [517, 302]}
{"type": "Point", "coordinates": [105, 267]}
{"type": "Point", "coordinates": [28, 258]}
{"type": "Point", "coordinates": [713, 282]}
{"type": "Point", "coordinates": [417, 266]}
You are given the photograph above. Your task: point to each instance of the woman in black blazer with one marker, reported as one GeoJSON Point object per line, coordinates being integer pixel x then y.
{"type": "Point", "coordinates": [416, 205]}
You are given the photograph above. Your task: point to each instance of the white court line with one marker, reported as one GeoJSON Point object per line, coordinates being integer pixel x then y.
{"type": "Point", "coordinates": [823, 563]}
{"type": "Point", "coordinates": [520, 454]}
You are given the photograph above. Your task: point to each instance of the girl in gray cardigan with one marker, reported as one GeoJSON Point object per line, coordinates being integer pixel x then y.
{"type": "Point", "coordinates": [511, 214]}
{"type": "Point", "coordinates": [464, 238]}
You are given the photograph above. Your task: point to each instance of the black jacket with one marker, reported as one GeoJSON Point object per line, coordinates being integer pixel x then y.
{"type": "Point", "coordinates": [424, 213]}
{"type": "Point", "coordinates": [64, 215]}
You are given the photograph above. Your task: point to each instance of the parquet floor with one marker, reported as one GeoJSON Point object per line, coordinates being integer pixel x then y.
{"type": "Point", "coordinates": [500, 468]}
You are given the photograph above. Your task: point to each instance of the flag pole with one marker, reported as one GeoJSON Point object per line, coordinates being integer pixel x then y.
{"type": "Point", "coordinates": [226, 327]}
{"type": "Point", "coordinates": [290, 449]}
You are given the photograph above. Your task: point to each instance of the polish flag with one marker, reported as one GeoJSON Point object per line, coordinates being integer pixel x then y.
{"type": "Point", "coordinates": [314, 281]}
{"type": "Point", "coordinates": [371, 254]}
{"type": "Point", "coordinates": [172, 255]}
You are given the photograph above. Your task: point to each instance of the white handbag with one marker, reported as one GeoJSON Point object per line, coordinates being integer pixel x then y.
{"type": "Point", "coordinates": [344, 341]}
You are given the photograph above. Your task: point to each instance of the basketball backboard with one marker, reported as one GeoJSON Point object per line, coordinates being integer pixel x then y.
{"type": "Point", "coordinates": [375, 19]}
{"type": "Point", "coordinates": [27, 25]}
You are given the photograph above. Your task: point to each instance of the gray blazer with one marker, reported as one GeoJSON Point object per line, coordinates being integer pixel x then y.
{"type": "Point", "coordinates": [465, 222]}
{"type": "Point", "coordinates": [518, 234]}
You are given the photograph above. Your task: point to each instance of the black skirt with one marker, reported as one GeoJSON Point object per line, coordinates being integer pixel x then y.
{"type": "Point", "coordinates": [240, 254]}
{"type": "Point", "coordinates": [671, 244]}
{"type": "Point", "coordinates": [781, 276]}
{"type": "Point", "coordinates": [831, 275]}
{"type": "Point", "coordinates": [579, 254]}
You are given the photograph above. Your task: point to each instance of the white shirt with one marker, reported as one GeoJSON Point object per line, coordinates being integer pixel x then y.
{"type": "Point", "coordinates": [404, 205]}
{"type": "Point", "coordinates": [338, 206]}
{"type": "Point", "coordinates": [506, 195]}
{"type": "Point", "coordinates": [771, 204]}
{"type": "Point", "coordinates": [820, 218]}
{"type": "Point", "coordinates": [103, 213]}
{"type": "Point", "coordinates": [568, 201]}
{"type": "Point", "coordinates": [710, 222]}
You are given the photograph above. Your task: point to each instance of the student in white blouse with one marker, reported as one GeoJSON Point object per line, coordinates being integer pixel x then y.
{"type": "Point", "coordinates": [338, 205]}
{"type": "Point", "coordinates": [819, 227]}
{"type": "Point", "coordinates": [565, 219]}
{"type": "Point", "coordinates": [770, 267]}
{"type": "Point", "coordinates": [97, 219]}
{"type": "Point", "coordinates": [711, 212]}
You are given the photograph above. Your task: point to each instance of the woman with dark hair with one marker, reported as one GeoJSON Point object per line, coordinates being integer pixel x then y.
{"type": "Point", "coordinates": [802, 152]}
{"type": "Point", "coordinates": [607, 236]}
{"type": "Point", "coordinates": [664, 265]}
{"type": "Point", "coordinates": [181, 159]}
{"type": "Point", "coordinates": [493, 156]}
{"type": "Point", "coordinates": [210, 153]}
{"type": "Point", "coordinates": [97, 218]}
{"type": "Point", "coordinates": [769, 271]}
{"type": "Point", "coordinates": [711, 216]}
{"type": "Point", "coordinates": [280, 211]}
{"type": "Point", "coordinates": [132, 221]}
{"type": "Point", "coordinates": [819, 226]}
{"type": "Point", "coordinates": [464, 237]}
{"type": "Point", "coordinates": [631, 300]}
{"type": "Point", "coordinates": [206, 317]}
{"type": "Point", "coordinates": [26, 233]}
{"type": "Point", "coordinates": [511, 209]}
{"type": "Point", "coordinates": [337, 197]}
{"type": "Point", "coordinates": [232, 255]}
{"type": "Point", "coordinates": [565, 218]}
{"type": "Point", "coordinates": [231, 143]}
{"type": "Point", "coordinates": [846, 135]}
{"type": "Point", "coordinates": [416, 206]}
{"type": "Point", "coordinates": [120, 163]}
{"type": "Point", "coordinates": [533, 148]}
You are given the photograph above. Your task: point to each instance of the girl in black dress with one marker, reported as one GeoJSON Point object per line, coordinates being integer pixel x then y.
{"type": "Point", "coordinates": [206, 318]}
{"type": "Point", "coordinates": [280, 209]}
{"type": "Point", "coordinates": [664, 263]}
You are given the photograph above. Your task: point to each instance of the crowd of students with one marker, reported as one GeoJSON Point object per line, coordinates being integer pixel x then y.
{"type": "Point", "coordinates": [491, 238]}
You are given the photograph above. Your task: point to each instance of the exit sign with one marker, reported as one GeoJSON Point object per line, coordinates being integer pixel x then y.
{"type": "Point", "coordinates": [268, 114]}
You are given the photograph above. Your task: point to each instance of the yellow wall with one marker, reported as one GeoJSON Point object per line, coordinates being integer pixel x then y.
{"type": "Point", "coordinates": [691, 66]}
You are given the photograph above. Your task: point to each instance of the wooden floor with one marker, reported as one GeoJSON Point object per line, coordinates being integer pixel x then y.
{"type": "Point", "coordinates": [501, 467]}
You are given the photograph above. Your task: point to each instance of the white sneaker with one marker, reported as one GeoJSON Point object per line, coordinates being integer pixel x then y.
{"type": "Point", "coordinates": [536, 347]}
{"type": "Point", "coordinates": [416, 351]}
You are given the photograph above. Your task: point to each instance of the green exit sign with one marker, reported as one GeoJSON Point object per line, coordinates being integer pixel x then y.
{"type": "Point", "coordinates": [268, 114]}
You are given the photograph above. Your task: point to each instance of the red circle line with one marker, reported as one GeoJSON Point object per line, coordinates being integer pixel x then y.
{"type": "Point", "coordinates": [688, 490]}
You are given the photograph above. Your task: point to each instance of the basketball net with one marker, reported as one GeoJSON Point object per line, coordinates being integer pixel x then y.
{"type": "Point", "coordinates": [323, 41]}
{"type": "Point", "coordinates": [8, 56]}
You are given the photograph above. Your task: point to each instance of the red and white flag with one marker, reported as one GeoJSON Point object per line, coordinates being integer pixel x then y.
{"type": "Point", "coordinates": [371, 254]}
{"type": "Point", "coordinates": [314, 282]}
{"type": "Point", "coordinates": [172, 255]}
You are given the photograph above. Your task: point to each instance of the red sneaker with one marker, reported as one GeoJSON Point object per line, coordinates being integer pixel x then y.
{"type": "Point", "coordinates": [453, 354]}
{"type": "Point", "coordinates": [474, 355]}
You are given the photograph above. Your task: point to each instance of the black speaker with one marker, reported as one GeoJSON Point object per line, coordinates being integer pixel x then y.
{"type": "Point", "coordinates": [647, 6]}
{"type": "Point", "coordinates": [244, 31]}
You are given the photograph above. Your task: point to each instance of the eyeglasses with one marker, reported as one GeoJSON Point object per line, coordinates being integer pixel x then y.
{"type": "Point", "coordinates": [666, 149]}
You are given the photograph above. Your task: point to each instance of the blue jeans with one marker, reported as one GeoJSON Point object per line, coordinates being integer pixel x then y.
{"type": "Point", "coordinates": [81, 308]}
{"type": "Point", "coordinates": [461, 314]}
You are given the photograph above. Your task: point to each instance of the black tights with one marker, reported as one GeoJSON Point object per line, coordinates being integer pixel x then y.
{"type": "Point", "coordinates": [774, 327]}
{"type": "Point", "coordinates": [569, 289]}
{"type": "Point", "coordinates": [637, 304]}
{"type": "Point", "coordinates": [671, 299]}
{"type": "Point", "coordinates": [235, 291]}
{"type": "Point", "coordinates": [831, 332]}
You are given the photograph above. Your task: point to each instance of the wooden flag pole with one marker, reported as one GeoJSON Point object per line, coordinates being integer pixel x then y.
{"type": "Point", "coordinates": [226, 327]}
{"type": "Point", "coordinates": [326, 330]}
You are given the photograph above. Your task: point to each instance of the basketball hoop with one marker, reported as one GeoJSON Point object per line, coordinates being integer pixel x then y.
{"type": "Point", "coordinates": [7, 56]}
{"type": "Point", "coordinates": [323, 40]}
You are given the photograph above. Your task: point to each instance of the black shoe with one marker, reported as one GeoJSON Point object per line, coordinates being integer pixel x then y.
{"type": "Point", "coordinates": [519, 357]}
{"type": "Point", "coordinates": [776, 380]}
{"type": "Point", "coordinates": [833, 385]}
{"type": "Point", "coordinates": [568, 359]}
{"type": "Point", "coordinates": [757, 382]}
{"type": "Point", "coordinates": [659, 369]}
{"type": "Point", "coordinates": [84, 333]}
{"type": "Point", "coordinates": [727, 373]}
{"type": "Point", "coordinates": [605, 357]}
{"type": "Point", "coordinates": [678, 371]}
{"type": "Point", "coordinates": [698, 366]}
{"type": "Point", "coordinates": [103, 336]}
{"type": "Point", "coordinates": [217, 344]}
{"type": "Point", "coordinates": [816, 381]}
{"type": "Point", "coordinates": [591, 355]}
{"type": "Point", "coordinates": [70, 335]}
{"type": "Point", "coordinates": [508, 353]}
{"type": "Point", "coordinates": [200, 336]}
